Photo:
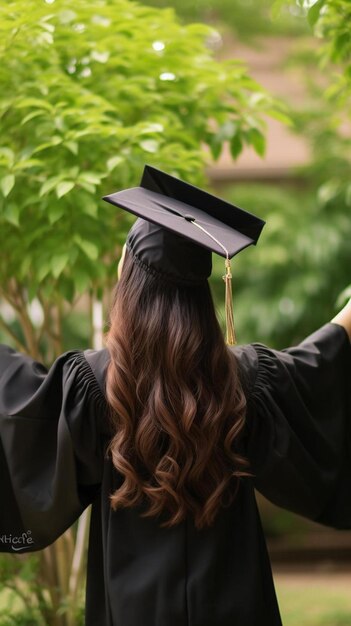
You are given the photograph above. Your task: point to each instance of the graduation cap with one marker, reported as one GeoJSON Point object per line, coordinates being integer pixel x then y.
{"type": "Point", "coordinates": [180, 226]}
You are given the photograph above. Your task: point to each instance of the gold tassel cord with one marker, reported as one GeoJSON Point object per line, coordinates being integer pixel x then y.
{"type": "Point", "coordinates": [229, 312]}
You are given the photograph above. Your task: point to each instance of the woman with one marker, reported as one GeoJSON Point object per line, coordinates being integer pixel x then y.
{"type": "Point", "coordinates": [166, 433]}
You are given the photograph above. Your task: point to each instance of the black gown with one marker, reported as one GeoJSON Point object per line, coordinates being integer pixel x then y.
{"type": "Point", "coordinates": [54, 430]}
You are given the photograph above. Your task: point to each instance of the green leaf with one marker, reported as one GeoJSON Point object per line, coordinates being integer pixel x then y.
{"type": "Point", "coordinates": [280, 116]}
{"type": "Point", "coordinates": [72, 146]}
{"type": "Point", "coordinates": [7, 184]}
{"type": "Point", "coordinates": [67, 289]}
{"type": "Point", "coordinates": [25, 267]}
{"type": "Point", "coordinates": [226, 131]}
{"type": "Point", "coordinates": [257, 140]}
{"type": "Point", "coordinates": [66, 16]}
{"type": "Point", "coordinates": [55, 211]}
{"type": "Point", "coordinates": [31, 116]}
{"type": "Point", "coordinates": [152, 127]}
{"type": "Point", "coordinates": [59, 123]}
{"type": "Point", "coordinates": [215, 147]}
{"type": "Point", "coordinates": [113, 162]}
{"type": "Point", "coordinates": [47, 38]}
{"type": "Point", "coordinates": [257, 98]}
{"type": "Point", "coordinates": [328, 191]}
{"type": "Point", "coordinates": [8, 156]}
{"type": "Point", "coordinates": [58, 263]}
{"type": "Point", "coordinates": [314, 12]}
{"type": "Point", "coordinates": [81, 281]}
{"type": "Point", "coordinates": [41, 104]}
{"type": "Point", "coordinates": [44, 269]}
{"type": "Point", "coordinates": [27, 164]}
{"type": "Point", "coordinates": [88, 247]}
{"type": "Point", "coordinates": [150, 145]}
{"type": "Point", "coordinates": [88, 187]}
{"type": "Point", "coordinates": [49, 27]}
{"type": "Point", "coordinates": [93, 178]}
{"type": "Point", "coordinates": [64, 187]}
{"type": "Point", "coordinates": [73, 172]}
{"type": "Point", "coordinates": [49, 185]}
{"type": "Point", "coordinates": [54, 141]}
{"type": "Point", "coordinates": [89, 206]}
{"type": "Point", "coordinates": [236, 146]}
{"type": "Point", "coordinates": [11, 213]}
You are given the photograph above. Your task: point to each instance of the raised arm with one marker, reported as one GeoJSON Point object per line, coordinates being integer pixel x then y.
{"type": "Point", "coordinates": [298, 424]}
{"type": "Point", "coordinates": [51, 449]}
{"type": "Point", "coordinates": [343, 318]}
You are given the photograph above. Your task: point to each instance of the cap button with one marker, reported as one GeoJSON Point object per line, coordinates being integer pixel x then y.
{"type": "Point", "coordinates": [189, 218]}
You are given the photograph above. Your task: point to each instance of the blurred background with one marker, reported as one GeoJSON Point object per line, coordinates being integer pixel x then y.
{"type": "Point", "coordinates": [250, 98]}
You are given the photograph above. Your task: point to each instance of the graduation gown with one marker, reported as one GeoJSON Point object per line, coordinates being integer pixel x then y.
{"type": "Point", "coordinates": [54, 431]}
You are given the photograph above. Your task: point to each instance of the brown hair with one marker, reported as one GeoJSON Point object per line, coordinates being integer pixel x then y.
{"type": "Point", "coordinates": [177, 404]}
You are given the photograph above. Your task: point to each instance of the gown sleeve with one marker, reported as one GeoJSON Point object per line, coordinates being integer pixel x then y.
{"type": "Point", "coordinates": [51, 456]}
{"type": "Point", "coordinates": [299, 426]}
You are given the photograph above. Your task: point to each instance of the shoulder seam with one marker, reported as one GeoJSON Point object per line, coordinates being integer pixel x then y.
{"type": "Point", "coordinates": [250, 384]}
{"type": "Point", "coordinates": [259, 366]}
{"type": "Point", "coordinates": [84, 361]}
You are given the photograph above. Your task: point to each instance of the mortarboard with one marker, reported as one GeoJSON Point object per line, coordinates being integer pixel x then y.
{"type": "Point", "coordinates": [180, 226]}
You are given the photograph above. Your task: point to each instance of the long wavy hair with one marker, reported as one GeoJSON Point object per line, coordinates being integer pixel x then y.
{"type": "Point", "coordinates": [177, 405]}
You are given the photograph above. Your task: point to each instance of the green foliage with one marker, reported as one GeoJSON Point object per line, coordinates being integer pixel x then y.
{"type": "Point", "coordinates": [238, 16]}
{"type": "Point", "coordinates": [89, 93]}
{"type": "Point", "coordinates": [326, 122]}
{"type": "Point", "coordinates": [25, 599]}
{"type": "Point", "coordinates": [330, 21]}
{"type": "Point", "coordinates": [315, 11]}
{"type": "Point", "coordinates": [21, 593]}
{"type": "Point", "coordinates": [289, 284]}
